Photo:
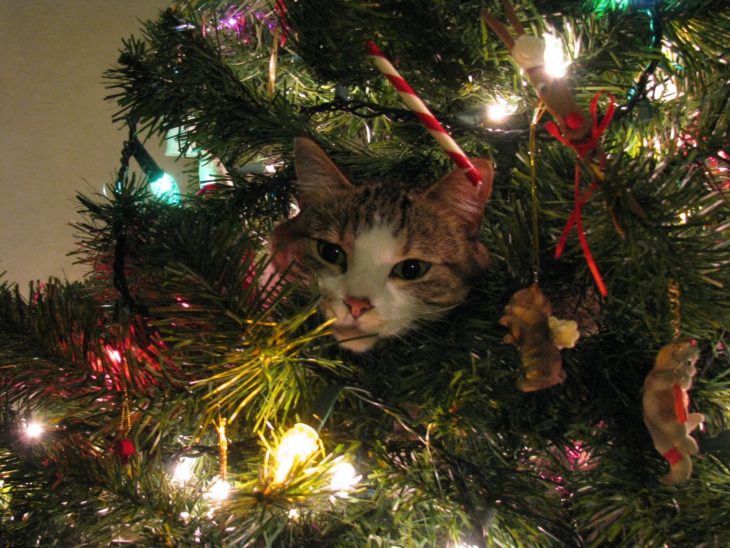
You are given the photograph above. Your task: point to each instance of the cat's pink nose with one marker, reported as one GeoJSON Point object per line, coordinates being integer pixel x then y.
{"type": "Point", "coordinates": [357, 306]}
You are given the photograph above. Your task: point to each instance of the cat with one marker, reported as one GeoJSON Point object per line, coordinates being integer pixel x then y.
{"type": "Point", "coordinates": [381, 256]}
{"type": "Point", "coordinates": [665, 403]}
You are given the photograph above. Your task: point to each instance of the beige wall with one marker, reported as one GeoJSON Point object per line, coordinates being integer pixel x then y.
{"type": "Point", "coordinates": [56, 134]}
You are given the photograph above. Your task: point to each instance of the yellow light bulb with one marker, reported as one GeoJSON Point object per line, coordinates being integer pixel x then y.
{"type": "Point", "coordinates": [555, 63]}
{"type": "Point", "coordinates": [297, 444]}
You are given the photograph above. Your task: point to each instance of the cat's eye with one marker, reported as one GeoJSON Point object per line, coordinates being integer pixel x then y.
{"type": "Point", "coordinates": [332, 253]}
{"type": "Point", "coordinates": [410, 269]}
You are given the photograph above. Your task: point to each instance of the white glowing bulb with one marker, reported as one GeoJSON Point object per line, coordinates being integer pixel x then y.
{"type": "Point", "coordinates": [499, 109]}
{"type": "Point", "coordinates": [661, 89]}
{"type": "Point", "coordinates": [218, 490]}
{"type": "Point", "coordinates": [297, 444]}
{"type": "Point", "coordinates": [684, 216]}
{"type": "Point", "coordinates": [555, 63]}
{"type": "Point", "coordinates": [343, 478]}
{"type": "Point", "coordinates": [183, 472]}
{"type": "Point", "coordinates": [34, 430]}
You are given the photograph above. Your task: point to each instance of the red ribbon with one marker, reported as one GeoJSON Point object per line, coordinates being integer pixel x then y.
{"type": "Point", "coordinates": [673, 456]}
{"type": "Point", "coordinates": [584, 149]}
{"type": "Point", "coordinates": [680, 407]}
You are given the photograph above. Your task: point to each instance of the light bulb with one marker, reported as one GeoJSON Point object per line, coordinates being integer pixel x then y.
{"type": "Point", "coordinates": [183, 472]}
{"type": "Point", "coordinates": [218, 490]}
{"type": "Point", "coordinates": [499, 109]}
{"type": "Point", "coordinates": [34, 430]}
{"type": "Point", "coordinates": [297, 444]}
{"type": "Point", "coordinates": [343, 478]}
{"type": "Point", "coordinates": [114, 354]}
{"type": "Point", "coordinates": [555, 63]}
{"type": "Point", "coordinates": [661, 89]}
{"type": "Point", "coordinates": [165, 187]}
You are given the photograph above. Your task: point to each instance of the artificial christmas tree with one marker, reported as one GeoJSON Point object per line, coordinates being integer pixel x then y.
{"type": "Point", "coordinates": [189, 391]}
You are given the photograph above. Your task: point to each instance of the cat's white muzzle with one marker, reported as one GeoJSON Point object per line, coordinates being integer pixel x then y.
{"type": "Point", "coordinates": [354, 338]}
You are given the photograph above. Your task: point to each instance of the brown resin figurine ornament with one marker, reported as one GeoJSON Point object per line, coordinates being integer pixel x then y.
{"type": "Point", "coordinates": [528, 52]}
{"type": "Point", "coordinates": [538, 337]}
{"type": "Point", "coordinates": [665, 405]}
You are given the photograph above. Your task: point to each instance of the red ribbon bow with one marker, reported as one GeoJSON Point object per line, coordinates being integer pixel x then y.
{"type": "Point", "coordinates": [584, 149]}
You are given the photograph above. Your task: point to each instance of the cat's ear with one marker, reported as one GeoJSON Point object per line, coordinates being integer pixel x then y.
{"type": "Point", "coordinates": [457, 192]}
{"type": "Point", "coordinates": [317, 176]}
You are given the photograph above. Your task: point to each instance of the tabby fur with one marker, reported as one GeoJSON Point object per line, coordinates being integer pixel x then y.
{"type": "Point", "coordinates": [389, 234]}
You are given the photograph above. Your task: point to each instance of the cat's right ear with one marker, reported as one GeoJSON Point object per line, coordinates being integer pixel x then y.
{"type": "Point", "coordinates": [459, 194]}
{"type": "Point", "coordinates": [317, 176]}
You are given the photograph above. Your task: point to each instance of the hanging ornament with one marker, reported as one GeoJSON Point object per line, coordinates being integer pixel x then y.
{"type": "Point", "coordinates": [542, 62]}
{"type": "Point", "coordinates": [124, 448]}
{"type": "Point", "coordinates": [528, 318]}
{"type": "Point", "coordinates": [414, 103]}
{"type": "Point", "coordinates": [666, 401]}
{"type": "Point", "coordinates": [666, 408]}
{"type": "Point", "coordinates": [271, 83]}
{"type": "Point", "coordinates": [570, 127]}
{"type": "Point", "coordinates": [538, 336]}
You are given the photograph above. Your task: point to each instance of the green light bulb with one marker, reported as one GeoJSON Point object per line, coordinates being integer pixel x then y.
{"type": "Point", "coordinates": [165, 187]}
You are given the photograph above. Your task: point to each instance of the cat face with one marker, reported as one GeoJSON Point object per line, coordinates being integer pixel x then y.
{"type": "Point", "coordinates": [381, 256]}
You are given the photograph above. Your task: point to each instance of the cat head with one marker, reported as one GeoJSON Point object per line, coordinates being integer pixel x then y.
{"type": "Point", "coordinates": [382, 256]}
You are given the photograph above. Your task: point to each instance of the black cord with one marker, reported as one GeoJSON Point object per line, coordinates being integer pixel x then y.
{"type": "Point", "coordinates": [638, 90]}
{"type": "Point", "coordinates": [119, 229]}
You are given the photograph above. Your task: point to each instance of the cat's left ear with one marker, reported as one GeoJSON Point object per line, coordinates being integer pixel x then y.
{"type": "Point", "coordinates": [456, 191]}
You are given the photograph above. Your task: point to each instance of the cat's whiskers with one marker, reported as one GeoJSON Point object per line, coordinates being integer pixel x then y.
{"type": "Point", "coordinates": [368, 242]}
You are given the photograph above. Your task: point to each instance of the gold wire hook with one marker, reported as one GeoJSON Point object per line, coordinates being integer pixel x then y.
{"type": "Point", "coordinates": [674, 306]}
{"type": "Point", "coordinates": [126, 419]}
{"type": "Point", "coordinates": [539, 111]}
{"type": "Point", "coordinates": [223, 447]}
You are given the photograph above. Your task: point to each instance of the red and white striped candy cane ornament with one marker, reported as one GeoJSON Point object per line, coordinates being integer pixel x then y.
{"type": "Point", "coordinates": [415, 104]}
